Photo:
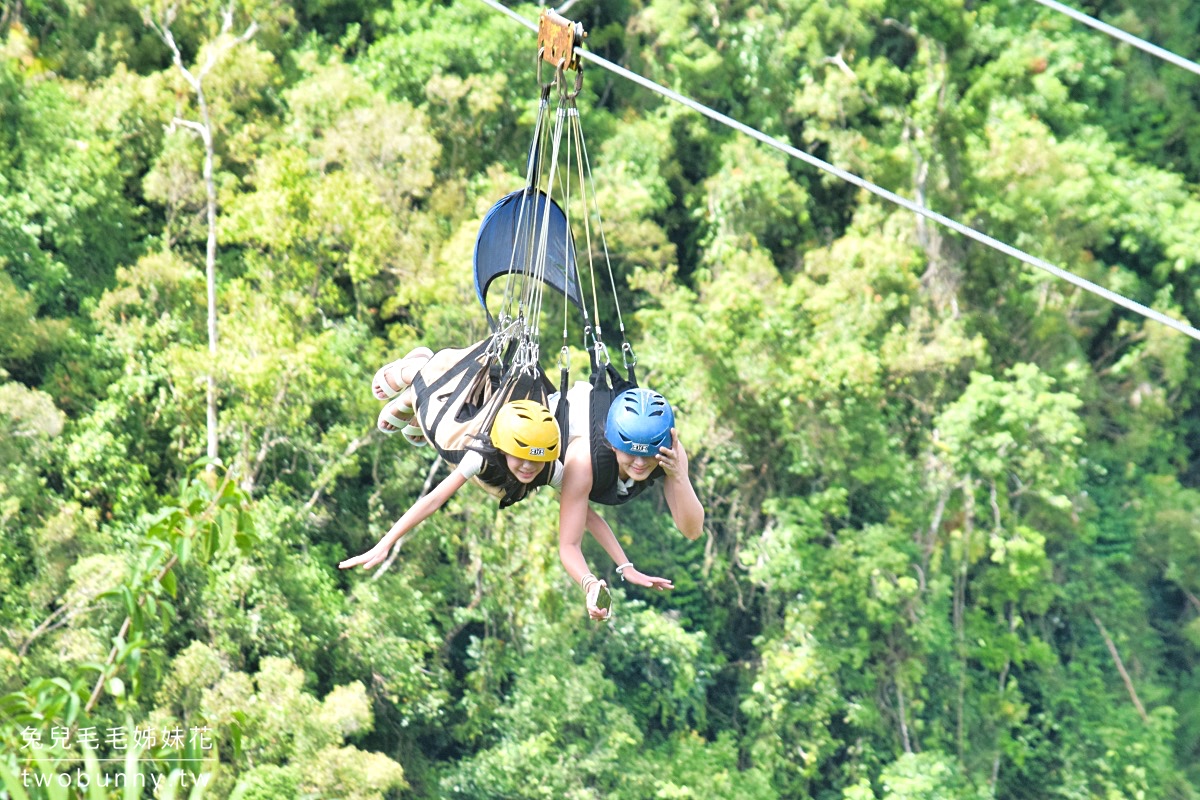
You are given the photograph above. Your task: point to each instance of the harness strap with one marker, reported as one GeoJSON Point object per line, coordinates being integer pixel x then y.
{"type": "Point", "coordinates": [607, 383]}
{"type": "Point", "coordinates": [463, 399]}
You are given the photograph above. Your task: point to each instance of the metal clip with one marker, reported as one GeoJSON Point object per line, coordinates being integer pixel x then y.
{"type": "Point", "coordinates": [628, 357]}
{"type": "Point", "coordinates": [578, 85]}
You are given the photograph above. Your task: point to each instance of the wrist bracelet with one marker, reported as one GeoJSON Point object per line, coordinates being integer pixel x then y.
{"type": "Point", "coordinates": [621, 569]}
{"type": "Point", "coordinates": [586, 580]}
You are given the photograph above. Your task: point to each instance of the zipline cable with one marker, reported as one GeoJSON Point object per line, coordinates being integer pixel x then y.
{"type": "Point", "coordinates": [1124, 36]}
{"type": "Point", "coordinates": [849, 177]}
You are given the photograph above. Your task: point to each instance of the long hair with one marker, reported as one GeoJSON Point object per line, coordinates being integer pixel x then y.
{"type": "Point", "coordinates": [496, 473]}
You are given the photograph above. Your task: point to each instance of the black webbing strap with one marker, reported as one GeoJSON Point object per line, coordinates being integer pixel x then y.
{"type": "Point", "coordinates": [466, 373]}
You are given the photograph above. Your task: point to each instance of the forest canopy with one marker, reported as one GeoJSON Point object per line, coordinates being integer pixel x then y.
{"type": "Point", "coordinates": [952, 540]}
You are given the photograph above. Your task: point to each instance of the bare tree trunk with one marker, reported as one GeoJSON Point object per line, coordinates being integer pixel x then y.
{"type": "Point", "coordinates": [959, 614]}
{"type": "Point", "coordinates": [1002, 684]}
{"type": "Point", "coordinates": [1116, 656]}
{"type": "Point", "coordinates": [905, 740]}
{"type": "Point", "coordinates": [11, 15]}
{"type": "Point", "coordinates": [204, 130]}
{"type": "Point", "coordinates": [210, 277]}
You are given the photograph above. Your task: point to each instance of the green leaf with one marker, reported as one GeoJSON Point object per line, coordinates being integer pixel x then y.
{"type": "Point", "coordinates": [212, 540]}
{"type": "Point", "coordinates": [74, 706]}
{"type": "Point", "coordinates": [131, 604]}
{"type": "Point", "coordinates": [95, 773]}
{"type": "Point", "coordinates": [235, 733]}
{"type": "Point", "coordinates": [239, 791]}
{"type": "Point", "coordinates": [49, 768]}
{"type": "Point", "coordinates": [12, 783]}
{"type": "Point", "coordinates": [132, 790]}
{"type": "Point", "coordinates": [199, 786]}
{"type": "Point", "coordinates": [169, 583]}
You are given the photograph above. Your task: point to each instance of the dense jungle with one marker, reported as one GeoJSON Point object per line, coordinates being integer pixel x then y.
{"type": "Point", "coordinates": [952, 541]}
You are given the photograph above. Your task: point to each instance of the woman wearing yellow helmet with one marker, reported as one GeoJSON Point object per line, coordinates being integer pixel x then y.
{"type": "Point", "coordinates": [519, 453]}
{"type": "Point", "coordinates": [512, 460]}
{"type": "Point", "coordinates": [517, 457]}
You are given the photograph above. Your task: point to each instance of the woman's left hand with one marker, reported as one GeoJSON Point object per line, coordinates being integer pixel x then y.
{"type": "Point", "coordinates": [673, 459]}
{"type": "Point", "coordinates": [631, 575]}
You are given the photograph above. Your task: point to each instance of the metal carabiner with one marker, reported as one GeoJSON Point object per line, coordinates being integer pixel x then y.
{"type": "Point", "coordinates": [560, 79]}
{"type": "Point", "coordinates": [628, 357]}
{"type": "Point", "coordinates": [578, 82]}
{"type": "Point", "coordinates": [556, 80]}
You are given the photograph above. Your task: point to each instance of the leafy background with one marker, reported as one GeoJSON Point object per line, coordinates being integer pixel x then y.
{"type": "Point", "coordinates": [952, 547]}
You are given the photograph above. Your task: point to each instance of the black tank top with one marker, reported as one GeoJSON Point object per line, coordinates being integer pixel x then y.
{"type": "Point", "coordinates": [495, 474]}
{"type": "Point", "coordinates": [605, 470]}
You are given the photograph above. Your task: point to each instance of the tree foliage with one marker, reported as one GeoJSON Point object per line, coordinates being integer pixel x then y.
{"type": "Point", "coordinates": [952, 503]}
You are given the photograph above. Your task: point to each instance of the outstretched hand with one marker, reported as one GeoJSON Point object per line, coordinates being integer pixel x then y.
{"type": "Point", "coordinates": [631, 575]}
{"type": "Point", "coordinates": [673, 459]}
{"type": "Point", "coordinates": [371, 558]}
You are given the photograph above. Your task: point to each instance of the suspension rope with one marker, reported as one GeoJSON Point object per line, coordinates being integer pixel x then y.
{"type": "Point", "coordinates": [585, 169]}
{"type": "Point", "coordinates": [598, 334]}
{"type": "Point", "coordinates": [1124, 36]}
{"type": "Point", "coordinates": [1070, 277]}
{"type": "Point", "coordinates": [535, 287]}
{"type": "Point", "coordinates": [524, 239]}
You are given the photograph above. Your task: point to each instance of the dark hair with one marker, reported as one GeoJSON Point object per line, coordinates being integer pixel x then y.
{"type": "Point", "coordinates": [496, 473]}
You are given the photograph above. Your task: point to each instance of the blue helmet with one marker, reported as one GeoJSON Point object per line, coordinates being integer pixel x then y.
{"type": "Point", "coordinates": [639, 422]}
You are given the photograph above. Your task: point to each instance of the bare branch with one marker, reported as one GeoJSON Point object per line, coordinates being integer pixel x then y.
{"type": "Point", "coordinates": [191, 125]}
{"type": "Point", "coordinates": [840, 62]}
{"type": "Point", "coordinates": [433, 468]}
{"type": "Point", "coordinates": [902, 716]}
{"type": "Point", "coordinates": [48, 624]}
{"type": "Point", "coordinates": [112, 654]}
{"type": "Point", "coordinates": [1195, 601]}
{"type": "Point", "coordinates": [330, 474]}
{"type": "Point", "coordinates": [1112, 649]}
{"type": "Point", "coordinates": [216, 53]}
{"type": "Point", "coordinates": [1002, 685]}
{"type": "Point", "coordinates": [994, 503]}
{"type": "Point", "coordinates": [900, 26]}
{"type": "Point", "coordinates": [163, 29]}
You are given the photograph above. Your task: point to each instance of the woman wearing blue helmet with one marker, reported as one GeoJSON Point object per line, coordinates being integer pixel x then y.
{"type": "Point", "coordinates": [610, 459]}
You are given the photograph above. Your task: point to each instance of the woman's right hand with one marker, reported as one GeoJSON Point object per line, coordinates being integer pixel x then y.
{"type": "Point", "coordinates": [592, 597]}
{"type": "Point", "coordinates": [371, 558]}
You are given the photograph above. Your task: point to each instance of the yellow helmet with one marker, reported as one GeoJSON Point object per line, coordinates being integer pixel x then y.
{"type": "Point", "coordinates": [526, 429]}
